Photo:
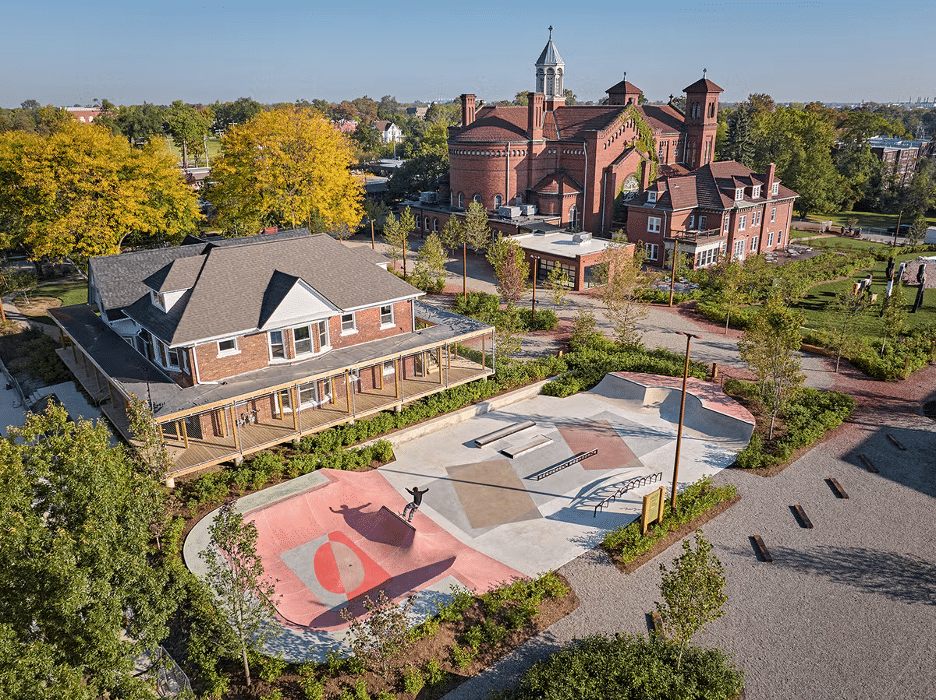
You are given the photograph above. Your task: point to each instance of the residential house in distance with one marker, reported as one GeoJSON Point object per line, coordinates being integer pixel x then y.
{"type": "Point", "coordinates": [389, 132]}
{"type": "Point", "coordinates": [722, 207]}
{"type": "Point", "coordinates": [240, 344]}
{"type": "Point", "coordinates": [85, 115]}
{"type": "Point", "coordinates": [900, 156]}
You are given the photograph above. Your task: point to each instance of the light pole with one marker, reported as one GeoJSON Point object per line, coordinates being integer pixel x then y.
{"type": "Point", "coordinates": [682, 410]}
{"type": "Point", "coordinates": [672, 283]}
{"type": "Point", "coordinates": [533, 303]}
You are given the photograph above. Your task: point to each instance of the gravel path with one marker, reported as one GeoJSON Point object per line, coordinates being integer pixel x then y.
{"type": "Point", "coordinates": [846, 609]}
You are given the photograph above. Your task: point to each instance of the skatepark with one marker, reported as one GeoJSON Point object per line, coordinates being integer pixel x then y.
{"type": "Point", "coordinates": [513, 492]}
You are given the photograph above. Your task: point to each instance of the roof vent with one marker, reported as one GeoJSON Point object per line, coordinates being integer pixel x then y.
{"type": "Point", "coordinates": [581, 238]}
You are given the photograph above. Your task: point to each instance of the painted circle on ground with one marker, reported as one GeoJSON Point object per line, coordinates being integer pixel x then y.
{"type": "Point", "coordinates": [338, 568]}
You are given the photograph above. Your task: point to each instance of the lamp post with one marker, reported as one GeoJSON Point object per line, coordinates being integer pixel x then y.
{"type": "Point", "coordinates": [672, 283]}
{"type": "Point", "coordinates": [533, 303]}
{"type": "Point", "coordinates": [682, 410]}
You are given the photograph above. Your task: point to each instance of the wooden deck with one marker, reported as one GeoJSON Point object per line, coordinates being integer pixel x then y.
{"type": "Point", "coordinates": [232, 437]}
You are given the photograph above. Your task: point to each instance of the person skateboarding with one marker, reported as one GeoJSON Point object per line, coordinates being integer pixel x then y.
{"type": "Point", "coordinates": [411, 508]}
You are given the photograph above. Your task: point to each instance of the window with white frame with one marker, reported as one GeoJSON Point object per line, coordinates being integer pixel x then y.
{"type": "Point", "coordinates": [754, 244]}
{"type": "Point", "coordinates": [653, 250]}
{"type": "Point", "coordinates": [389, 367]}
{"type": "Point", "coordinates": [227, 347]}
{"type": "Point", "coordinates": [277, 345]}
{"type": "Point", "coordinates": [701, 222]}
{"type": "Point", "coordinates": [739, 193]}
{"type": "Point", "coordinates": [726, 224]}
{"type": "Point", "coordinates": [498, 201]}
{"type": "Point", "coordinates": [651, 196]}
{"type": "Point", "coordinates": [322, 329]}
{"type": "Point", "coordinates": [302, 340]}
{"type": "Point", "coordinates": [347, 323]}
{"type": "Point", "coordinates": [769, 238]}
{"type": "Point", "coordinates": [653, 224]}
{"type": "Point", "coordinates": [169, 357]}
{"type": "Point", "coordinates": [755, 193]}
{"type": "Point", "coordinates": [779, 237]}
{"type": "Point", "coordinates": [158, 299]}
{"type": "Point", "coordinates": [755, 218]}
{"type": "Point", "coordinates": [435, 224]}
{"type": "Point", "coordinates": [742, 222]}
{"type": "Point", "coordinates": [775, 189]}
{"type": "Point", "coordinates": [739, 250]}
{"type": "Point", "coordinates": [386, 316]}
{"type": "Point", "coordinates": [692, 221]}
{"type": "Point", "coordinates": [773, 214]}
{"type": "Point", "coordinates": [461, 200]}
{"type": "Point", "coordinates": [427, 225]}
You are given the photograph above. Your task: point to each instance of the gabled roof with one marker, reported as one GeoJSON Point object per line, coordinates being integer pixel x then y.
{"type": "Point", "coordinates": [574, 122]}
{"type": "Point", "coordinates": [180, 274]}
{"type": "Point", "coordinates": [624, 87]}
{"type": "Point", "coordinates": [495, 124]}
{"type": "Point", "coordinates": [554, 183]}
{"type": "Point", "coordinates": [665, 118]}
{"type": "Point", "coordinates": [239, 287]}
{"type": "Point", "coordinates": [703, 85]}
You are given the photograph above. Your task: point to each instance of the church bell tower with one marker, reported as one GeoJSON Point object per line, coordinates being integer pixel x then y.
{"type": "Point", "coordinates": [549, 74]}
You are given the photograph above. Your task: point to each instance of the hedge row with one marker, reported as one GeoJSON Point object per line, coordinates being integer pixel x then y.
{"type": "Point", "coordinates": [486, 308]}
{"type": "Point", "coordinates": [628, 543]}
{"type": "Point", "coordinates": [809, 417]}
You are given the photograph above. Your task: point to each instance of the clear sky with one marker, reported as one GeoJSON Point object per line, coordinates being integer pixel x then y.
{"type": "Point", "coordinates": [67, 53]}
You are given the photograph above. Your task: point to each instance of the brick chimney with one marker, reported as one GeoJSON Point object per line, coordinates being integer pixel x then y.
{"type": "Point", "coordinates": [468, 109]}
{"type": "Point", "coordinates": [535, 115]}
{"type": "Point", "coordinates": [771, 174]}
{"type": "Point", "coordinates": [645, 175]}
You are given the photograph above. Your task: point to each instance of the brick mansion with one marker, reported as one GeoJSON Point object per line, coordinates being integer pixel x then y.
{"type": "Point", "coordinates": [647, 169]}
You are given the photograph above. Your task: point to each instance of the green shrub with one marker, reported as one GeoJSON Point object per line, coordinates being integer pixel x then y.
{"type": "Point", "coordinates": [627, 667]}
{"type": "Point", "coordinates": [435, 674]}
{"type": "Point", "coordinates": [462, 656]}
{"type": "Point", "coordinates": [272, 695]}
{"type": "Point", "coordinates": [544, 320]}
{"type": "Point", "coordinates": [413, 681]}
{"type": "Point", "coordinates": [312, 688]}
{"type": "Point", "coordinates": [271, 668]}
{"type": "Point", "coordinates": [694, 500]}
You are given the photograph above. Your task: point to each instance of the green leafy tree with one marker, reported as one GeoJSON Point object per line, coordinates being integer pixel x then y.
{"type": "Point", "coordinates": [510, 268]}
{"type": "Point", "coordinates": [187, 126]}
{"type": "Point", "coordinates": [368, 142]}
{"type": "Point", "coordinates": [693, 592]}
{"type": "Point", "coordinates": [380, 637]}
{"type": "Point", "coordinates": [285, 166]}
{"type": "Point", "coordinates": [80, 599]}
{"type": "Point", "coordinates": [622, 282]}
{"type": "Point", "coordinates": [769, 347]}
{"type": "Point", "coordinates": [570, 97]}
{"type": "Point", "coordinates": [139, 123]}
{"type": "Point", "coordinates": [108, 192]}
{"type": "Point", "coordinates": [430, 264]}
{"type": "Point", "coordinates": [228, 114]}
{"type": "Point", "coordinates": [396, 234]}
{"type": "Point", "coordinates": [236, 575]}
{"type": "Point", "coordinates": [894, 314]}
{"type": "Point", "coordinates": [733, 286]}
{"type": "Point", "coordinates": [426, 159]}
{"type": "Point", "coordinates": [558, 284]}
{"type": "Point", "coordinates": [844, 311]}
{"type": "Point", "coordinates": [739, 139]}
{"type": "Point", "coordinates": [472, 231]}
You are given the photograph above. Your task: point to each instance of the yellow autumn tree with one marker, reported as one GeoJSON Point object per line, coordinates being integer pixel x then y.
{"type": "Point", "coordinates": [289, 167]}
{"type": "Point", "coordinates": [81, 192]}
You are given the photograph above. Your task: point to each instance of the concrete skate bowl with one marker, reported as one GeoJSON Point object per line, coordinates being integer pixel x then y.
{"type": "Point", "coordinates": [710, 413]}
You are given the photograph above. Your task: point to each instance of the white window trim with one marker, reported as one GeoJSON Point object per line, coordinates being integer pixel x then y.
{"type": "Point", "coordinates": [312, 335]}
{"type": "Point", "coordinates": [770, 238]}
{"type": "Point", "coordinates": [392, 367]}
{"type": "Point", "coordinates": [326, 346]}
{"type": "Point", "coordinates": [756, 192]}
{"type": "Point", "coordinates": [651, 195]}
{"type": "Point", "coordinates": [739, 193]}
{"type": "Point", "coordinates": [353, 329]}
{"type": "Point", "coordinates": [158, 299]}
{"type": "Point", "coordinates": [742, 222]}
{"type": "Point", "coordinates": [273, 359]}
{"type": "Point", "coordinates": [164, 351]}
{"type": "Point", "coordinates": [773, 214]}
{"type": "Point", "coordinates": [653, 224]}
{"type": "Point", "coordinates": [754, 244]}
{"type": "Point", "coordinates": [775, 189]}
{"type": "Point", "coordinates": [739, 250]}
{"type": "Point", "coordinates": [227, 353]}
{"type": "Point", "coordinates": [653, 251]}
{"type": "Point", "coordinates": [726, 224]}
{"type": "Point", "coordinates": [384, 326]}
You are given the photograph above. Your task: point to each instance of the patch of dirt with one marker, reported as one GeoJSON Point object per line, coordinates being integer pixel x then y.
{"type": "Point", "coordinates": [37, 306]}
{"type": "Point", "coordinates": [672, 538]}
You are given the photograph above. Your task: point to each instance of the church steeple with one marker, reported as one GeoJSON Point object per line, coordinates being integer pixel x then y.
{"type": "Point", "coordinates": [549, 74]}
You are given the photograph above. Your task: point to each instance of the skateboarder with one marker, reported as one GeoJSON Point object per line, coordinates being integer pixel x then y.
{"type": "Point", "coordinates": [411, 508]}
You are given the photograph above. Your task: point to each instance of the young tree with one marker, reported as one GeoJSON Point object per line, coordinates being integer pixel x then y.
{"type": "Point", "coordinates": [396, 234]}
{"type": "Point", "coordinates": [844, 310]}
{"type": "Point", "coordinates": [693, 592]}
{"type": "Point", "coordinates": [584, 330]}
{"type": "Point", "coordinates": [473, 231]}
{"type": "Point", "coordinates": [187, 126]}
{"type": "Point", "coordinates": [80, 600]}
{"type": "Point", "coordinates": [108, 191]}
{"type": "Point", "coordinates": [285, 166]}
{"type": "Point", "coordinates": [381, 638]}
{"type": "Point", "coordinates": [894, 314]}
{"type": "Point", "coordinates": [236, 575]}
{"type": "Point", "coordinates": [430, 264]}
{"type": "Point", "coordinates": [733, 287]}
{"type": "Point", "coordinates": [769, 348]}
{"type": "Point", "coordinates": [558, 283]}
{"type": "Point", "coordinates": [622, 280]}
{"type": "Point", "coordinates": [511, 269]}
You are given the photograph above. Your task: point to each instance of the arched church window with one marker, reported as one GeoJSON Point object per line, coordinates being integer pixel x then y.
{"type": "Point", "coordinates": [711, 109]}
{"type": "Point", "coordinates": [518, 200]}
{"type": "Point", "coordinates": [477, 198]}
{"type": "Point", "coordinates": [498, 201]}
{"type": "Point", "coordinates": [461, 200]}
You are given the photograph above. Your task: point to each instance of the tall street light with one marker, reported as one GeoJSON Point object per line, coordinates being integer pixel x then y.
{"type": "Point", "coordinates": [533, 303]}
{"type": "Point", "coordinates": [682, 411]}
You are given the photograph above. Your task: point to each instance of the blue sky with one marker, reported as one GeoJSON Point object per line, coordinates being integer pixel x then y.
{"type": "Point", "coordinates": [71, 52]}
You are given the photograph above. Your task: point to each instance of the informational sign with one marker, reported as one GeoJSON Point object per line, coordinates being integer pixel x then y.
{"type": "Point", "coordinates": [653, 506]}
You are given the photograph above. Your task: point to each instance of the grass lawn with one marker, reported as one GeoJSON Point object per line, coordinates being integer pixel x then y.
{"type": "Point", "coordinates": [70, 293]}
{"type": "Point", "coordinates": [869, 324]}
{"type": "Point", "coordinates": [865, 219]}
{"type": "Point", "coordinates": [214, 149]}
{"type": "Point", "coordinates": [848, 244]}
{"type": "Point", "coordinates": [796, 233]}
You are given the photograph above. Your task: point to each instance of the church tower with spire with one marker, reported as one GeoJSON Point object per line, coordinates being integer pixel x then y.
{"type": "Point", "coordinates": [549, 74]}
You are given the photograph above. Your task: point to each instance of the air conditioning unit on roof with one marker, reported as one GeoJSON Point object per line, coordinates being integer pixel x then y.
{"type": "Point", "coordinates": [528, 209]}
{"type": "Point", "coordinates": [581, 238]}
{"type": "Point", "coordinates": [509, 212]}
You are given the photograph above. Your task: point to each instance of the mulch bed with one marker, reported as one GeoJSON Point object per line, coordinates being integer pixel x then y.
{"type": "Point", "coordinates": [674, 537]}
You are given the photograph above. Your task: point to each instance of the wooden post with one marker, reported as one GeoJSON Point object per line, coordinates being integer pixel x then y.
{"type": "Point", "coordinates": [294, 401]}
{"type": "Point", "coordinates": [347, 388]}
{"type": "Point", "coordinates": [439, 358]}
{"type": "Point", "coordinates": [222, 421]}
{"type": "Point", "coordinates": [184, 432]}
{"type": "Point", "coordinates": [398, 377]}
{"type": "Point", "coordinates": [448, 357]}
{"type": "Point", "coordinates": [237, 442]}
{"type": "Point", "coordinates": [380, 374]}
{"type": "Point", "coordinates": [483, 349]}
{"type": "Point", "coordinates": [74, 353]}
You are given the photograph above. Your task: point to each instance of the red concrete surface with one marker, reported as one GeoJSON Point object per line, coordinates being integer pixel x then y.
{"type": "Point", "coordinates": [365, 549]}
{"type": "Point", "coordinates": [586, 435]}
{"type": "Point", "coordinates": [711, 395]}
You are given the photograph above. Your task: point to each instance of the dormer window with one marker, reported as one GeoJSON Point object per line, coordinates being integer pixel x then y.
{"type": "Point", "coordinates": [651, 195]}
{"type": "Point", "coordinates": [775, 188]}
{"type": "Point", "coordinates": [158, 299]}
{"type": "Point", "coordinates": [739, 194]}
{"type": "Point", "coordinates": [755, 192]}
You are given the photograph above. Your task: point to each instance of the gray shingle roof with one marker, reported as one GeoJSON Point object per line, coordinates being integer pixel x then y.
{"type": "Point", "coordinates": [180, 274]}
{"type": "Point", "coordinates": [550, 54]}
{"type": "Point", "coordinates": [239, 285]}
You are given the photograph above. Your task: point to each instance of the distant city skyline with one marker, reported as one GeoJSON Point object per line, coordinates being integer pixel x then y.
{"type": "Point", "coordinates": [282, 51]}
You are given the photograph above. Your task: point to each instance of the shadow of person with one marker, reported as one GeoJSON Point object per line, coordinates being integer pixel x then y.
{"type": "Point", "coordinates": [374, 526]}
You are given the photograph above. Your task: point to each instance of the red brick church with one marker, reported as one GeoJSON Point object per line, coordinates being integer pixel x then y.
{"type": "Point", "coordinates": [587, 165]}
